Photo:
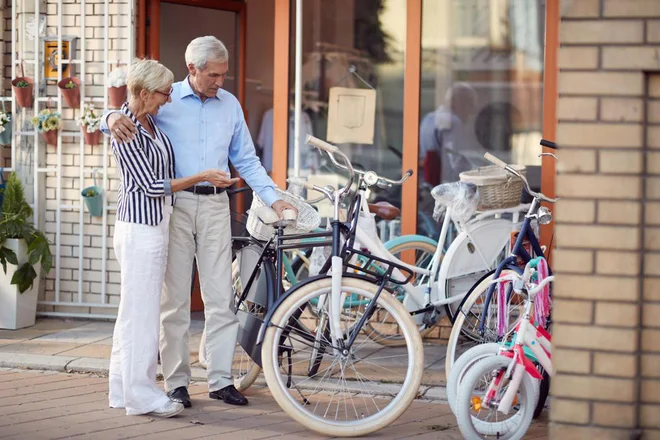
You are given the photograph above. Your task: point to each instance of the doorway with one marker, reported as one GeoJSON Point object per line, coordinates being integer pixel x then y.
{"type": "Point", "coordinates": [172, 24]}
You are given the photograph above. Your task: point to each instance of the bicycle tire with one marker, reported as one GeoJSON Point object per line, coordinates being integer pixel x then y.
{"type": "Point", "coordinates": [465, 307]}
{"type": "Point", "coordinates": [473, 428]}
{"type": "Point", "coordinates": [272, 358]}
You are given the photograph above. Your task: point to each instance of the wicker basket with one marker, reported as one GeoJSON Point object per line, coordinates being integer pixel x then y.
{"type": "Point", "coordinates": [308, 219]}
{"type": "Point", "coordinates": [497, 188]}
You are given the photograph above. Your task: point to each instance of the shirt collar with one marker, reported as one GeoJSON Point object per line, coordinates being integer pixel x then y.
{"type": "Point", "coordinates": [127, 112]}
{"type": "Point", "coordinates": [187, 90]}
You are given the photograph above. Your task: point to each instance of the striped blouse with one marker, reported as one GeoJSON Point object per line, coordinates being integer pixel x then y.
{"type": "Point", "coordinates": [146, 167]}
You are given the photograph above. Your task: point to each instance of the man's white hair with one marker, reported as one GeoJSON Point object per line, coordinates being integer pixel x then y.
{"type": "Point", "coordinates": [201, 50]}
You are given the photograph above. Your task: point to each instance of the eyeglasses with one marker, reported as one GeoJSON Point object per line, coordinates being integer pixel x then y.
{"type": "Point", "coordinates": [168, 94]}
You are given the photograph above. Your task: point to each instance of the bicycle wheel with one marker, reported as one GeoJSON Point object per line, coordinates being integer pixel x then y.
{"type": "Point", "coordinates": [467, 361]}
{"type": "Point", "coordinates": [462, 365]}
{"type": "Point", "coordinates": [465, 332]}
{"type": "Point", "coordinates": [340, 400]}
{"type": "Point", "coordinates": [244, 369]}
{"type": "Point", "coordinates": [380, 327]}
{"type": "Point", "coordinates": [477, 420]}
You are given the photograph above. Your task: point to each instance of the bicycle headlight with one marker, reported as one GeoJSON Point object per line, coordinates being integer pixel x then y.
{"type": "Point", "coordinates": [544, 215]}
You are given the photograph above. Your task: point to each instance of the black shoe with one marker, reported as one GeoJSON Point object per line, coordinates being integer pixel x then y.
{"type": "Point", "coordinates": [180, 395]}
{"type": "Point", "coordinates": [229, 395]}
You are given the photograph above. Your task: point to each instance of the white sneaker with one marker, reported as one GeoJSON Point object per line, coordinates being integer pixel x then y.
{"type": "Point", "coordinates": [170, 409]}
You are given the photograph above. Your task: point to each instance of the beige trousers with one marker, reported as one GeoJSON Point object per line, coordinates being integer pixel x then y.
{"type": "Point", "coordinates": [200, 226]}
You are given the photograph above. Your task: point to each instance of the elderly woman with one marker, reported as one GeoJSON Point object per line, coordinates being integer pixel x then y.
{"type": "Point", "coordinates": [145, 200]}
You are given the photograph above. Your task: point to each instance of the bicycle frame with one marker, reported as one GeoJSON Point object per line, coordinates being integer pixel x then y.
{"type": "Point", "coordinates": [431, 294]}
{"type": "Point", "coordinates": [535, 339]}
{"type": "Point", "coordinates": [519, 251]}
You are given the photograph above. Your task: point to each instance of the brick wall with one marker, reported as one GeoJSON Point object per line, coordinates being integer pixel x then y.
{"type": "Point", "coordinates": [604, 337]}
{"type": "Point", "coordinates": [91, 232]}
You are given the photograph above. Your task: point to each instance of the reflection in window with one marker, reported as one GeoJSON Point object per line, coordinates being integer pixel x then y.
{"type": "Point", "coordinates": [482, 81]}
{"type": "Point", "coordinates": [370, 35]}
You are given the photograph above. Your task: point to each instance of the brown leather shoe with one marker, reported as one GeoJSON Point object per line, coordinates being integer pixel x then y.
{"type": "Point", "coordinates": [229, 395]}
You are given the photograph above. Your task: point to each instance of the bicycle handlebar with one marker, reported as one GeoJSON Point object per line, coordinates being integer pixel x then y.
{"type": "Point", "coordinates": [500, 163]}
{"type": "Point", "coordinates": [332, 150]}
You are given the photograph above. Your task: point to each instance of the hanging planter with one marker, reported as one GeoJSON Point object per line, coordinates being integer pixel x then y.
{"type": "Point", "coordinates": [116, 96]}
{"type": "Point", "coordinates": [93, 197]}
{"type": "Point", "coordinates": [70, 88]}
{"type": "Point", "coordinates": [23, 87]}
{"type": "Point", "coordinates": [5, 126]}
{"type": "Point", "coordinates": [48, 123]}
{"type": "Point", "coordinates": [117, 92]}
{"type": "Point", "coordinates": [90, 123]}
{"type": "Point", "coordinates": [93, 138]}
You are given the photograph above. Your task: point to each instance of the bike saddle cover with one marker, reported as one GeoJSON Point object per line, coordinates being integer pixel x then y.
{"type": "Point", "coordinates": [462, 197]}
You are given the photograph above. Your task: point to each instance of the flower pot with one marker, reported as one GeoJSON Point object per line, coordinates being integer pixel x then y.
{"type": "Point", "coordinates": [116, 96]}
{"type": "Point", "coordinates": [94, 202]}
{"type": "Point", "coordinates": [5, 136]}
{"type": "Point", "coordinates": [50, 137]}
{"type": "Point", "coordinates": [92, 138]}
{"type": "Point", "coordinates": [71, 96]}
{"type": "Point", "coordinates": [23, 94]}
{"type": "Point", "coordinates": [17, 310]}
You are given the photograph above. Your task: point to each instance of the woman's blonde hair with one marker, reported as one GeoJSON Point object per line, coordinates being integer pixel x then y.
{"type": "Point", "coordinates": [148, 75]}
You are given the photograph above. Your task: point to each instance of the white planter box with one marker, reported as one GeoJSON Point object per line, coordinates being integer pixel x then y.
{"type": "Point", "coordinates": [17, 310]}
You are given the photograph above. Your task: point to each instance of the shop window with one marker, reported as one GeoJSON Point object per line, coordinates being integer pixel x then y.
{"type": "Point", "coordinates": [481, 90]}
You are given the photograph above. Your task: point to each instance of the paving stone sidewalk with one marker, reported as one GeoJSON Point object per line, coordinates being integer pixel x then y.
{"type": "Point", "coordinates": [47, 405]}
{"type": "Point", "coordinates": [84, 346]}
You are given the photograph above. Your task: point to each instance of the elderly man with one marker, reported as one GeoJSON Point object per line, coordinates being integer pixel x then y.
{"type": "Point", "coordinates": [207, 128]}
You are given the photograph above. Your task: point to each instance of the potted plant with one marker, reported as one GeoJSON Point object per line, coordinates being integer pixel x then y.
{"type": "Point", "coordinates": [22, 87]}
{"type": "Point", "coordinates": [93, 197]}
{"type": "Point", "coordinates": [70, 88]}
{"type": "Point", "coordinates": [24, 251]}
{"type": "Point", "coordinates": [116, 88]}
{"type": "Point", "coordinates": [5, 127]}
{"type": "Point", "coordinates": [23, 90]}
{"type": "Point", "coordinates": [48, 123]}
{"type": "Point", "coordinates": [90, 123]}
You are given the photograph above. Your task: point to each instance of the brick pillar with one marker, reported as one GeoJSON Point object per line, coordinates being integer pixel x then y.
{"type": "Point", "coordinates": [609, 52]}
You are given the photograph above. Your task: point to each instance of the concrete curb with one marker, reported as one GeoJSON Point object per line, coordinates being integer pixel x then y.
{"type": "Point", "coordinates": [35, 361]}
{"type": "Point", "coordinates": [67, 364]}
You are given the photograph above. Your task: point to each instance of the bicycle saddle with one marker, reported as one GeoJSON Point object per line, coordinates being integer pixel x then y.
{"type": "Point", "coordinates": [384, 210]}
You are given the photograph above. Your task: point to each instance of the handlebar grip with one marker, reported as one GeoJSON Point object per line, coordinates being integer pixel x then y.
{"type": "Point", "coordinates": [495, 161]}
{"type": "Point", "coordinates": [549, 144]}
{"type": "Point", "coordinates": [308, 185]}
{"type": "Point", "coordinates": [321, 145]}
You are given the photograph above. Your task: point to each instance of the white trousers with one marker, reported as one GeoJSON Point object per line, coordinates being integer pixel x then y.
{"type": "Point", "coordinates": [141, 251]}
{"type": "Point", "coordinates": [200, 226]}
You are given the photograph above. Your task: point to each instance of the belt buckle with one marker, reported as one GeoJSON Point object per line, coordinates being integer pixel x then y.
{"type": "Point", "coordinates": [215, 190]}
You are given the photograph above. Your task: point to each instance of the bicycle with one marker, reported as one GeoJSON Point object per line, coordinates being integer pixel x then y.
{"type": "Point", "coordinates": [441, 278]}
{"type": "Point", "coordinates": [275, 332]}
{"type": "Point", "coordinates": [508, 375]}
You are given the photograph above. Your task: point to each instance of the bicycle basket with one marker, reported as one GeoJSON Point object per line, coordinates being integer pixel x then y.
{"type": "Point", "coordinates": [497, 188]}
{"type": "Point", "coordinates": [308, 219]}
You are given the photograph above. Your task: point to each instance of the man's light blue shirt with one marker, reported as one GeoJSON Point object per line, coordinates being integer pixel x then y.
{"type": "Point", "coordinates": [207, 134]}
